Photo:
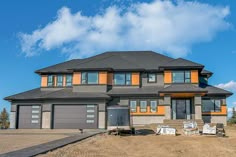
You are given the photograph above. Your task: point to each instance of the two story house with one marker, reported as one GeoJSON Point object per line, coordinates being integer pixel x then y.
{"type": "Point", "coordinates": [76, 94]}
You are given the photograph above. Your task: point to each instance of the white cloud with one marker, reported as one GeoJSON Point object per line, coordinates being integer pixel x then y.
{"type": "Point", "coordinates": [231, 85]}
{"type": "Point", "coordinates": [161, 26]}
{"type": "Point", "coordinates": [234, 103]}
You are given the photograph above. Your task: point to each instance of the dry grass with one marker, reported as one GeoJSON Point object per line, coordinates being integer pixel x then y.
{"type": "Point", "coordinates": [10, 142]}
{"type": "Point", "coordinates": [150, 146]}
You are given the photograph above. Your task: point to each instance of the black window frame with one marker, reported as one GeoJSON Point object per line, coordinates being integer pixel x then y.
{"type": "Point", "coordinates": [155, 78]}
{"type": "Point", "coordinates": [61, 80]}
{"type": "Point", "coordinates": [51, 82]}
{"type": "Point", "coordinates": [151, 106]}
{"type": "Point", "coordinates": [185, 78]}
{"type": "Point", "coordinates": [135, 105]}
{"type": "Point", "coordinates": [69, 82]}
{"type": "Point", "coordinates": [125, 81]}
{"type": "Point", "coordinates": [86, 78]}
{"type": "Point", "coordinates": [215, 108]}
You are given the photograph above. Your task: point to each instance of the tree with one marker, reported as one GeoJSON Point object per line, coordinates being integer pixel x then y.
{"type": "Point", "coordinates": [232, 120]}
{"type": "Point", "coordinates": [4, 119]}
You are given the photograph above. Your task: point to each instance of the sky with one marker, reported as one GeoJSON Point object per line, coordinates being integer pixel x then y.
{"type": "Point", "coordinates": [37, 34]}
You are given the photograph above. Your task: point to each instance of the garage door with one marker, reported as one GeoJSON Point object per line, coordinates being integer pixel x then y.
{"type": "Point", "coordinates": [29, 117]}
{"type": "Point", "coordinates": [75, 117]}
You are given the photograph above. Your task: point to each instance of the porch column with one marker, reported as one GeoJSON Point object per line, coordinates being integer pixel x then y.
{"type": "Point", "coordinates": [46, 116]}
{"type": "Point", "coordinates": [13, 116]}
{"type": "Point", "coordinates": [167, 103]}
{"type": "Point", "coordinates": [102, 116]}
{"type": "Point", "coordinates": [198, 106]}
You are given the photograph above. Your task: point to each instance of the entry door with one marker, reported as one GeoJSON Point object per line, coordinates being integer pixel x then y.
{"type": "Point", "coordinates": [180, 109]}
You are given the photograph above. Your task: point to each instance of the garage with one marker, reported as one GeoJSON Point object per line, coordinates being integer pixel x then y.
{"type": "Point", "coordinates": [75, 117]}
{"type": "Point", "coordinates": [29, 117]}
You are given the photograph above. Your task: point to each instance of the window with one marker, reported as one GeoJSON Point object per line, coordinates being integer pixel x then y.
{"type": "Point", "coordinates": [122, 79]}
{"type": "Point", "coordinates": [133, 106]}
{"type": "Point", "coordinates": [89, 77]}
{"type": "Point", "coordinates": [181, 77]}
{"type": "Point", "coordinates": [59, 80]}
{"type": "Point", "coordinates": [50, 80]}
{"type": "Point", "coordinates": [68, 80]}
{"type": "Point", "coordinates": [143, 106]}
{"type": "Point", "coordinates": [152, 78]}
{"type": "Point", "coordinates": [211, 105]}
{"type": "Point", "coordinates": [153, 106]}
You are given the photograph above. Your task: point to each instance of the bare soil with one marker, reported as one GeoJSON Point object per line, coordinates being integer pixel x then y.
{"type": "Point", "coordinates": [151, 145]}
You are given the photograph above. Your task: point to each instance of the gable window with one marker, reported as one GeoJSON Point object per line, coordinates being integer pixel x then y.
{"type": "Point", "coordinates": [89, 78]}
{"type": "Point", "coordinates": [211, 105]}
{"type": "Point", "coordinates": [152, 78]}
{"type": "Point", "coordinates": [133, 106]}
{"type": "Point", "coordinates": [50, 80]}
{"type": "Point", "coordinates": [143, 106]}
{"type": "Point", "coordinates": [59, 80]}
{"type": "Point", "coordinates": [68, 80]}
{"type": "Point", "coordinates": [181, 77]}
{"type": "Point", "coordinates": [122, 78]}
{"type": "Point", "coordinates": [153, 106]}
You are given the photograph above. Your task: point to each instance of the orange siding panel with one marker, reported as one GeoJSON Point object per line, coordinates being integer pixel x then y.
{"type": "Point", "coordinates": [64, 80]}
{"type": "Point", "coordinates": [194, 76]}
{"type": "Point", "coordinates": [167, 77]}
{"type": "Point", "coordinates": [103, 77]}
{"type": "Point", "coordinates": [110, 79]}
{"type": "Point", "coordinates": [135, 78]}
{"type": "Point", "coordinates": [223, 112]}
{"type": "Point", "coordinates": [44, 81]}
{"type": "Point", "coordinates": [77, 78]}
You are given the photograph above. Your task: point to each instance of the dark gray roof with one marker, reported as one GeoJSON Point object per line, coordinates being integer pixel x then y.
{"type": "Point", "coordinates": [124, 60]}
{"type": "Point", "coordinates": [183, 88]}
{"type": "Point", "coordinates": [113, 60]}
{"type": "Point", "coordinates": [58, 94]}
{"type": "Point", "coordinates": [181, 63]}
{"type": "Point", "coordinates": [212, 90]}
{"type": "Point", "coordinates": [61, 67]}
{"type": "Point", "coordinates": [206, 72]}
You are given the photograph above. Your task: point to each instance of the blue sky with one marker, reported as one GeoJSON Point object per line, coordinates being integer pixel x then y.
{"type": "Point", "coordinates": [36, 34]}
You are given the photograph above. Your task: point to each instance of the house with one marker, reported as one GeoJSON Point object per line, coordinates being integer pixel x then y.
{"type": "Point", "coordinates": [76, 93]}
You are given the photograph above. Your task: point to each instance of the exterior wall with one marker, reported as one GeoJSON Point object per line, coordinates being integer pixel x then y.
{"type": "Point", "coordinates": [76, 80]}
{"type": "Point", "coordinates": [144, 120]}
{"type": "Point", "coordinates": [46, 120]}
{"type": "Point", "coordinates": [110, 79]}
{"type": "Point", "coordinates": [135, 79]}
{"type": "Point", "coordinates": [167, 77]}
{"type": "Point", "coordinates": [197, 107]}
{"type": "Point", "coordinates": [12, 120]}
{"type": "Point", "coordinates": [101, 120]}
{"type": "Point", "coordinates": [159, 82]}
{"type": "Point", "coordinates": [44, 81]}
{"type": "Point", "coordinates": [215, 119]}
{"type": "Point", "coordinates": [194, 76]}
{"type": "Point", "coordinates": [103, 78]}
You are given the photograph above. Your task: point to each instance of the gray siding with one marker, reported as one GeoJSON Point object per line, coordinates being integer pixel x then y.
{"type": "Point", "coordinates": [159, 82]}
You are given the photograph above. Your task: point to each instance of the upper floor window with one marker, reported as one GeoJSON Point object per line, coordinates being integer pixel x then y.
{"type": "Point", "coordinates": [89, 78]}
{"type": "Point", "coordinates": [211, 105]}
{"type": "Point", "coordinates": [133, 106]}
{"type": "Point", "coordinates": [59, 80]}
{"type": "Point", "coordinates": [143, 106]}
{"type": "Point", "coordinates": [153, 106]}
{"type": "Point", "coordinates": [181, 77]}
{"type": "Point", "coordinates": [68, 80]}
{"type": "Point", "coordinates": [122, 78]}
{"type": "Point", "coordinates": [152, 78]}
{"type": "Point", "coordinates": [50, 80]}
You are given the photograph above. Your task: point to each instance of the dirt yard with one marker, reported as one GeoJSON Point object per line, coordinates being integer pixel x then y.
{"type": "Point", "coordinates": [151, 145]}
{"type": "Point", "coordinates": [11, 140]}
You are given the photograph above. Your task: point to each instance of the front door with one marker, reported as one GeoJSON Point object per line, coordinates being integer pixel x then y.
{"type": "Point", "coordinates": [180, 109]}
